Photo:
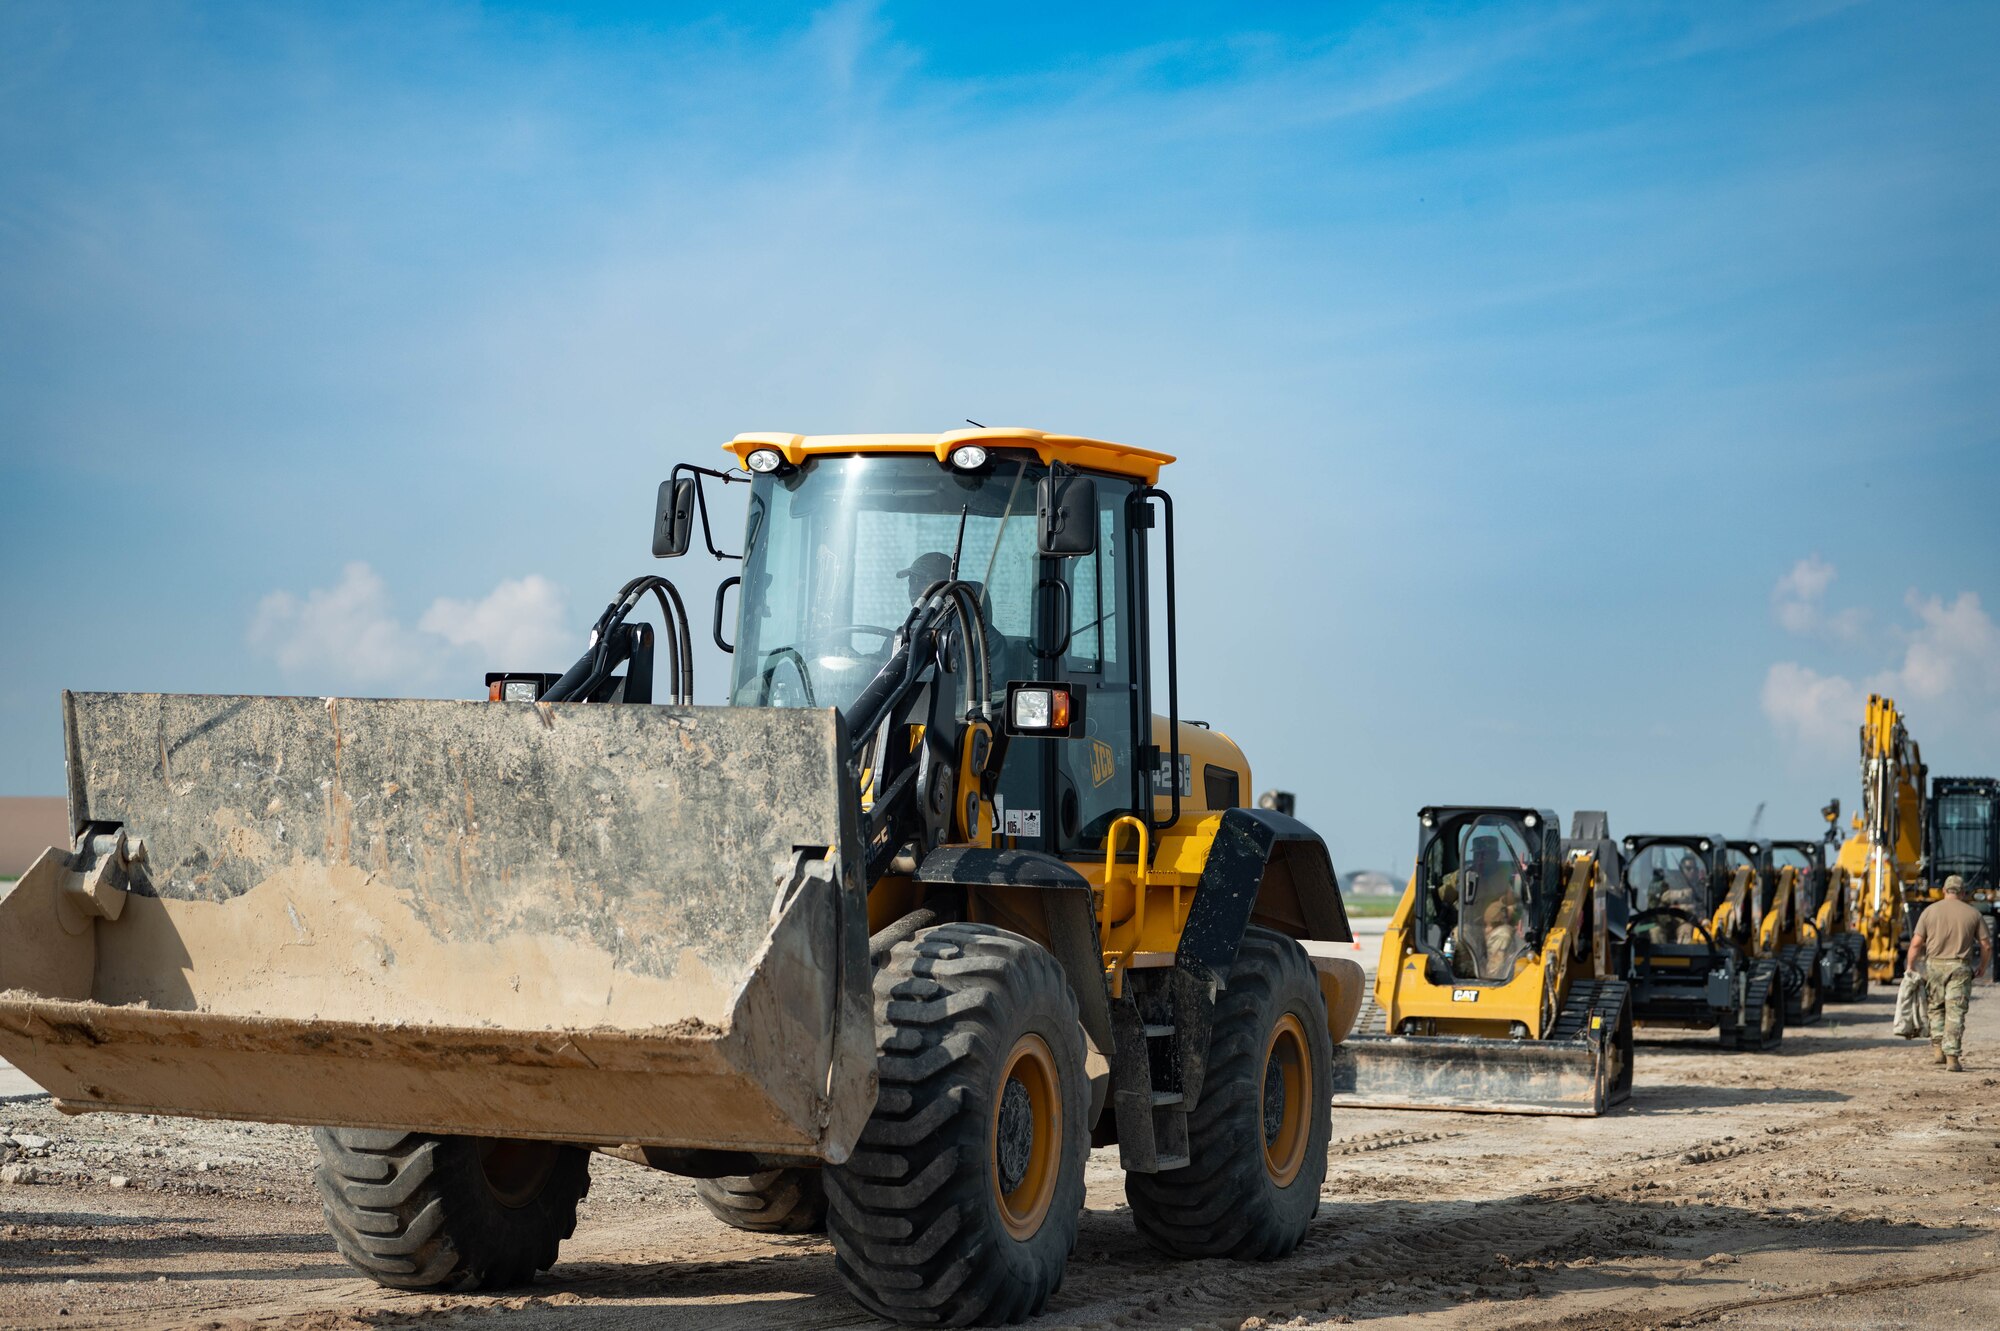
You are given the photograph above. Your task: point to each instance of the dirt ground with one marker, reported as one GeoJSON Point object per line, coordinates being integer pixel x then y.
{"type": "Point", "coordinates": [1841, 1182]}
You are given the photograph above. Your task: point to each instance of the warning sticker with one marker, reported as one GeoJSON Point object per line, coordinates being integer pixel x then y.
{"type": "Point", "coordinates": [1024, 822]}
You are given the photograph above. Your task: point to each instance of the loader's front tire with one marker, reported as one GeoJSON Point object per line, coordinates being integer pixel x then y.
{"type": "Point", "coordinates": [960, 1203]}
{"type": "Point", "coordinates": [1257, 1138]}
{"type": "Point", "coordinates": [413, 1210]}
{"type": "Point", "coordinates": [771, 1201]}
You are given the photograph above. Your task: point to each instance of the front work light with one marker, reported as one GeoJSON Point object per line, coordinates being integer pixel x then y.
{"type": "Point", "coordinates": [764, 461]}
{"type": "Point", "coordinates": [1048, 710]}
{"type": "Point", "coordinates": [968, 457]}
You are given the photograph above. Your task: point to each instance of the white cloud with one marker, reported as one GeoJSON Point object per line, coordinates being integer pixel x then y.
{"type": "Point", "coordinates": [1810, 711]}
{"type": "Point", "coordinates": [1799, 601]}
{"type": "Point", "coordinates": [349, 634]}
{"type": "Point", "coordinates": [344, 632]}
{"type": "Point", "coordinates": [1950, 669]}
{"type": "Point", "coordinates": [516, 626]}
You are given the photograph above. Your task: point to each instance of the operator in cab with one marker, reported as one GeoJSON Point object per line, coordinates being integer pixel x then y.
{"type": "Point", "coordinates": [1948, 937]}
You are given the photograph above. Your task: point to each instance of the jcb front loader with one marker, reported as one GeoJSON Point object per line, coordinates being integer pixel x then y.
{"type": "Point", "coordinates": [1695, 928]}
{"type": "Point", "coordinates": [885, 944]}
{"type": "Point", "coordinates": [1499, 986]}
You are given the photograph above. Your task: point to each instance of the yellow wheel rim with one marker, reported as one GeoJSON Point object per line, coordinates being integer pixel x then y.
{"type": "Point", "coordinates": [1285, 1093]}
{"type": "Point", "coordinates": [1026, 1147]}
{"type": "Point", "coordinates": [516, 1170]}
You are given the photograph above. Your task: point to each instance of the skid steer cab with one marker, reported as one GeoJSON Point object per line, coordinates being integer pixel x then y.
{"type": "Point", "coordinates": [947, 893]}
{"type": "Point", "coordinates": [1697, 930]}
{"type": "Point", "coordinates": [1500, 985]}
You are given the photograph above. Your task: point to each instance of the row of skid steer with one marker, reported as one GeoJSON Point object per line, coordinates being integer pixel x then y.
{"type": "Point", "coordinates": [944, 895]}
{"type": "Point", "coordinates": [1519, 961]}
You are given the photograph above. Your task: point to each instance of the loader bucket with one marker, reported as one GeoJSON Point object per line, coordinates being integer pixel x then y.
{"type": "Point", "coordinates": [604, 924]}
{"type": "Point", "coordinates": [1476, 1074]}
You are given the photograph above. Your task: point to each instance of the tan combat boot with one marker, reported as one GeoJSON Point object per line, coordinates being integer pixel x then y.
{"type": "Point", "coordinates": [1951, 1063]}
{"type": "Point", "coordinates": [1937, 1054]}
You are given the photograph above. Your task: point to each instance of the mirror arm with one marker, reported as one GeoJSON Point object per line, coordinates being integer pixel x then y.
{"type": "Point", "coordinates": [701, 499]}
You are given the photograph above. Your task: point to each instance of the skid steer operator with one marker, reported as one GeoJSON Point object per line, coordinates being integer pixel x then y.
{"type": "Point", "coordinates": [1948, 935]}
{"type": "Point", "coordinates": [1493, 916]}
{"type": "Point", "coordinates": [1682, 894]}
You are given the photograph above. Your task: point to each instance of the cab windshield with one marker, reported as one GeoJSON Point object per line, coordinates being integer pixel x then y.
{"type": "Point", "coordinates": [1666, 875]}
{"type": "Point", "coordinates": [1478, 898]}
{"type": "Point", "coordinates": [838, 552]}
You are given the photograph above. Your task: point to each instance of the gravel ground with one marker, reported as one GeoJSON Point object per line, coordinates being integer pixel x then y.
{"type": "Point", "coordinates": [1839, 1182]}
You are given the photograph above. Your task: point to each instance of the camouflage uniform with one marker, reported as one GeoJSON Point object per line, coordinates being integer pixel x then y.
{"type": "Point", "coordinates": [1952, 934]}
{"type": "Point", "coordinates": [1949, 987]}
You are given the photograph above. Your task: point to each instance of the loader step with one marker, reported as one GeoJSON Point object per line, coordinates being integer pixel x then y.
{"type": "Point", "coordinates": [1158, 1032]}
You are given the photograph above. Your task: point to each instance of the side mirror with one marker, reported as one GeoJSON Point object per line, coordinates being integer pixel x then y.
{"type": "Point", "coordinates": [673, 518]}
{"type": "Point", "coordinates": [1067, 508]}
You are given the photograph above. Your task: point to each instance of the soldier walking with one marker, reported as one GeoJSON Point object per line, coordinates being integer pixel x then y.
{"type": "Point", "coordinates": [1949, 934]}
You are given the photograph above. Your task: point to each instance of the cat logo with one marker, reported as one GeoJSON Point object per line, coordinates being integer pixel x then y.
{"type": "Point", "coordinates": [1103, 762]}
{"type": "Point", "coordinates": [1465, 995]}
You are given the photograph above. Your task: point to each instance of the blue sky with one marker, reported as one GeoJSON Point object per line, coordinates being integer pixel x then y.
{"type": "Point", "coordinates": [1579, 404]}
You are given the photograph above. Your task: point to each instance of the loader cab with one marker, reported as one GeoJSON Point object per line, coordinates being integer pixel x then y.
{"type": "Point", "coordinates": [1487, 881]}
{"type": "Point", "coordinates": [1962, 834]}
{"type": "Point", "coordinates": [840, 544]}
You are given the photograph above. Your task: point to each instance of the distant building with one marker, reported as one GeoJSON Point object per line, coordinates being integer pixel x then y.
{"type": "Point", "coordinates": [29, 825]}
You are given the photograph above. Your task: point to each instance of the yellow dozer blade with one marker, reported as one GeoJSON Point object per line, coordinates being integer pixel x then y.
{"type": "Point", "coordinates": [591, 923]}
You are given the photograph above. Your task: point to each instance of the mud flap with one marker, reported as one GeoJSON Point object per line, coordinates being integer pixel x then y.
{"type": "Point", "coordinates": [1468, 1073]}
{"type": "Point", "coordinates": [593, 923]}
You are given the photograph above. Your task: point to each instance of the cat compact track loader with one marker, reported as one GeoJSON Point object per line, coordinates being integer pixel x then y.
{"type": "Point", "coordinates": [1500, 986]}
{"type": "Point", "coordinates": [1786, 928]}
{"type": "Point", "coordinates": [1696, 961]}
{"type": "Point", "coordinates": [885, 944]}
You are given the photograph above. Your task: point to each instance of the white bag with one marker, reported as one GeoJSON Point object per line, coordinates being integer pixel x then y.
{"type": "Point", "coordinates": [1913, 1016]}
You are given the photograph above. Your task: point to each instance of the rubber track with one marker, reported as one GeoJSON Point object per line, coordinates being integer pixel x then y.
{"type": "Point", "coordinates": [1222, 1203]}
{"type": "Point", "coordinates": [916, 1237]}
{"type": "Point", "coordinates": [410, 1210]}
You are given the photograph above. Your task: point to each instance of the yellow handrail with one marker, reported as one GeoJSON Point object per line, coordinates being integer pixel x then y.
{"type": "Point", "coordinates": [1137, 918]}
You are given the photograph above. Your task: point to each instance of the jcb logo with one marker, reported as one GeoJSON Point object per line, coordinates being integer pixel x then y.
{"type": "Point", "coordinates": [1103, 762]}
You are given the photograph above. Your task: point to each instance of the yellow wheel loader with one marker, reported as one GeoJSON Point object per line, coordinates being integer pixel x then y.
{"type": "Point", "coordinates": [1697, 947]}
{"type": "Point", "coordinates": [936, 902]}
{"type": "Point", "coordinates": [1881, 866]}
{"type": "Point", "coordinates": [1499, 987]}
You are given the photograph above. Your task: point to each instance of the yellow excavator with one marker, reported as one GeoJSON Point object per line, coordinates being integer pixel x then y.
{"type": "Point", "coordinates": [935, 903]}
{"type": "Point", "coordinates": [1499, 988]}
{"type": "Point", "coordinates": [1880, 868]}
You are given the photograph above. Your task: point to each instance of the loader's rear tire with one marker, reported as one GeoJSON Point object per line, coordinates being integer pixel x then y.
{"type": "Point", "coordinates": [960, 1203]}
{"type": "Point", "coordinates": [771, 1201]}
{"type": "Point", "coordinates": [1257, 1138]}
{"type": "Point", "coordinates": [412, 1210]}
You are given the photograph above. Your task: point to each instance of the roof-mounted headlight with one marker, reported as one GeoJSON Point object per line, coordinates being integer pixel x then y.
{"type": "Point", "coordinates": [968, 457]}
{"type": "Point", "coordinates": [764, 461]}
{"type": "Point", "coordinates": [1532, 821]}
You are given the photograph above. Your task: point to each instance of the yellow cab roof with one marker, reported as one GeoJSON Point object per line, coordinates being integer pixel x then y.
{"type": "Point", "coordinates": [1072, 450]}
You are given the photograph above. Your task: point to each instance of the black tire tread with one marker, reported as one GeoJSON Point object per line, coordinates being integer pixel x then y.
{"type": "Point", "coordinates": [412, 1210]}
{"type": "Point", "coordinates": [914, 1232]}
{"type": "Point", "coordinates": [771, 1201]}
{"type": "Point", "coordinates": [1223, 1204]}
